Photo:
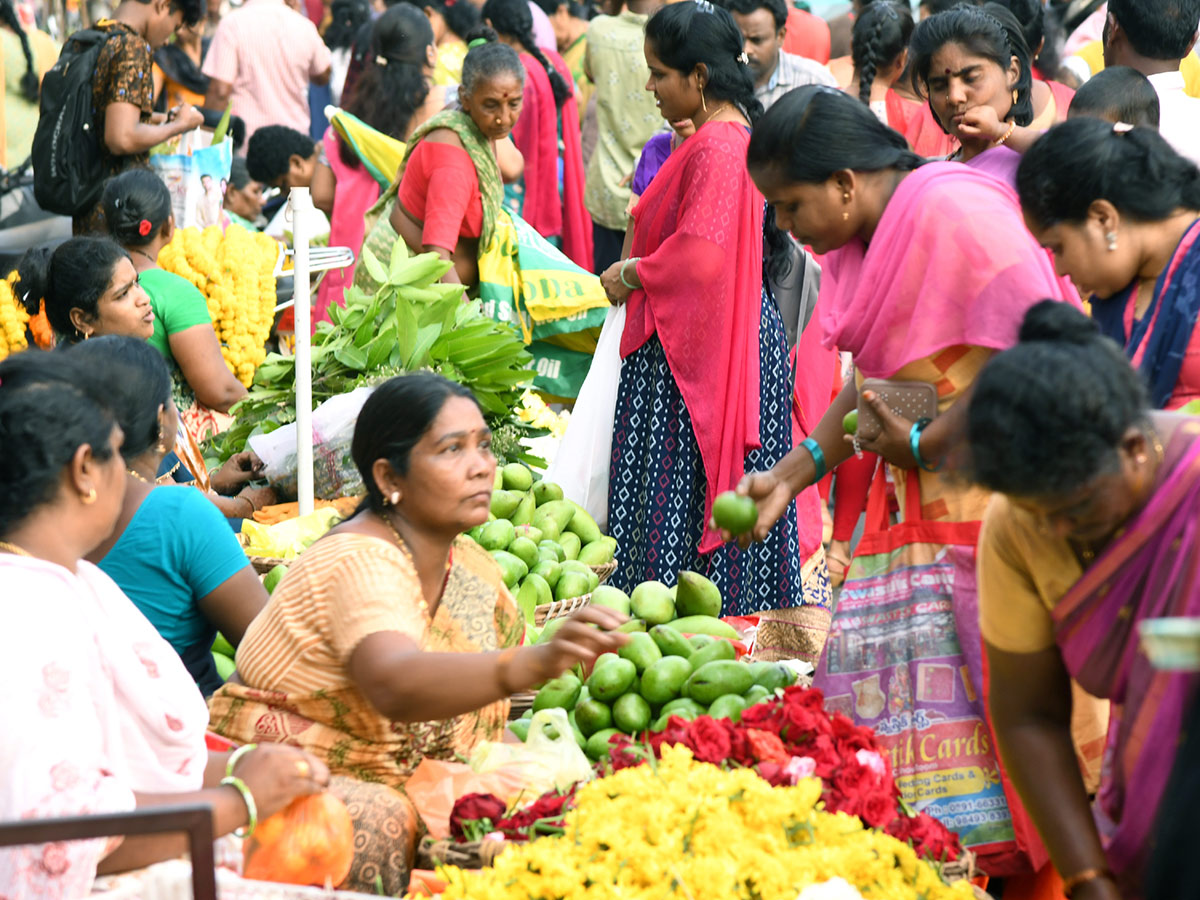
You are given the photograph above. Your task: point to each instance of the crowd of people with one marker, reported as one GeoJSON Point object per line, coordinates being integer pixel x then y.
{"type": "Point", "coordinates": [1002, 215]}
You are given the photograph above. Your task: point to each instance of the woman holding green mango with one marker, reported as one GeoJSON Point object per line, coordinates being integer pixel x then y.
{"type": "Point", "coordinates": [394, 637]}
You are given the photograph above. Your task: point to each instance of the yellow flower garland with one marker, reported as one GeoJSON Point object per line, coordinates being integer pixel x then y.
{"type": "Point", "coordinates": [235, 272]}
{"type": "Point", "coordinates": [684, 830]}
{"type": "Point", "coordinates": [13, 319]}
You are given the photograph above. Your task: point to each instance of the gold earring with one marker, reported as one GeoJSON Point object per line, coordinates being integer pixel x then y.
{"type": "Point", "coordinates": [703, 105]}
{"type": "Point", "coordinates": [846, 199]}
{"type": "Point", "coordinates": [1015, 96]}
{"type": "Point", "coordinates": [89, 498]}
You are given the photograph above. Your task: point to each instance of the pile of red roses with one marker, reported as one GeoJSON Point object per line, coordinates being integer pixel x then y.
{"type": "Point", "coordinates": [793, 737]}
{"type": "Point", "coordinates": [475, 816]}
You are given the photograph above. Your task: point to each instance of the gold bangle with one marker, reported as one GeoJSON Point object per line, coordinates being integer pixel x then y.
{"type": "Point", "coordinates": [1011, 128]}
{"type": "Point", "coordinates": [502, 664]}
{"type": "Point", "coordinates": [1079, 879]}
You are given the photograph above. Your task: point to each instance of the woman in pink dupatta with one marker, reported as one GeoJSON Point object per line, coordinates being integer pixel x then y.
{"type": "Point", "coordinates": [548, 136]}
{"type": "Point", "coordinates": [1096, 528]}
{"type": "Point", "coordinates": [704, 388]}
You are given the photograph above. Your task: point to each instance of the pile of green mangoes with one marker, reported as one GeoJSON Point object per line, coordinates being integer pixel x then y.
{"type": "Point", "coordinates": [658, 674]}
{"type": "Point", "coordinates": [692, 605]}
{"type": "Point", "coordinates": [546, 545]}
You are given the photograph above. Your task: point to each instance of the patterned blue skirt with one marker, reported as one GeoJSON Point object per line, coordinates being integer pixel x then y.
{"type": "Point", "coordinates": [657, 483]}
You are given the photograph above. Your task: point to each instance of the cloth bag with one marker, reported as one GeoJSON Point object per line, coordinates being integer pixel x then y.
{"type": "Point", "coordinates": [905, 657]}
{"type": "Point", "coordinates": [582, 462]}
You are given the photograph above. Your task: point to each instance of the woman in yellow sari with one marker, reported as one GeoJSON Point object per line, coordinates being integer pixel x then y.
{"type": "Point", "coordinates": [393, 638]}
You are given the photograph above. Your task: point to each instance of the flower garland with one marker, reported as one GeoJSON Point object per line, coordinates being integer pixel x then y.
{"type": "Point", "coordinates": [13, 319]}
{"type": "Point", "coordinates": [681, 828]}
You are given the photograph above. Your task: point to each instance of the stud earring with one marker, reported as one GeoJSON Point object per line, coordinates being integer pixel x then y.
{"type": "Point", "coordinates": [845, 199]}
{"type": "Point", "coordinates": [89, 498]}
{"type": "Point", "coordinates": [1111, 237]}
{"type": "Point", "coordinates": [395, 498]}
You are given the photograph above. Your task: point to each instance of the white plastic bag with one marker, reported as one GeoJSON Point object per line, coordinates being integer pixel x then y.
{"type": "Point", "coordinates": [582, 462]}
{"type": "Point", "coordinates": [334, 472]}
{"type": "Point", "coordinates": [550, 757]}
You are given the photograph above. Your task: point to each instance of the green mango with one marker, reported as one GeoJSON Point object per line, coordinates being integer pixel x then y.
{"type": "Point", "coordinates": [597, 744]}
{"type": "Point", "coordinates": [613, 598]}
{"type": "Point", "coordinates": [583, 525]}
{"type": "Point", "coordinates": [222, 646]}
{"type": "Point", "coordinates": [505, 503]}
{"type": "Point", "coordinates": [756, 694]}
{"type": "Point", "coordinates": [525, 550]}
{"type": "Point", "coordinates": [498, 479]}
{"type": "Point", "coordinates": [704, 625]}
{"type": "Point", "coordinates": [603, 660]}
{"type": "Point", "coordinates": [715, 679]}
{"type": "Point", "coordinates": [598, 553]}
{"type": "Point", "coordinates": [664, 719]}
{"type": "Point", "coordinates": [612, 680]}
{"type": "Point", "coordinates": [550, 628]}
{"type": "Point", "coordinates": [571, 584]}
{"type": "Point", "coordinates": [571, 544]}
{"type": "Point", "coordinates": [560, 511]}
{"type": "Point", "coordinates": [513, 567]}
{"type": "Point", "coordinates": [641, 651]}
{"type": "Point", "coordinates": [670, 641]}
{"type": "Point", "coordinates": [697, 596]}
{"type": "Point", "coordinates": [529, 531]}
{"type": "Point", "coordinates": [517, 477]}
{"type": "Point", "coordinates": [527, 599]}
{"type": "Point", "coordinates": [700, 641]}
{"type": "Point", "coordinates": [520, 728]}
{"type": "Point", "coordinates": [546, 491]}
{"type": "Point", "coordinates": [584, 694]}
{"type": "Point", "coordinates": [528, 714]}
{"type": "Point", "coordinates": [225, 666]}
{"type": "Point", "coordinates": [686, 707]}
{"type": "Point", "coordinates": [474, 533]}
{"type": "Point", "coordinates": [558, 693]}
{"type": "Point", "coordinates": [728, 706]}
{"type": "Point", "coordinates": [523, 514]}
{"type": "Point", "coordinates": [554, 547]}
{"type": "Point", "coordinates": [772, 675]}
{"type": "Point", "coordinates": [717, 650]}
{"type": "Point", "coordinates": [650, 601]}
{"type": "Point", "coordinates": [548, 570]}
{"type": "Point", "coordinates": [548, 527]}
{"type": "Point", "coordinates": [664, 679]}
{"type": "Point", "coordinates": [271, 579]}
{"type": "Point", "coordinates": [574, 565]}
{"type": "Point", "coordinates": [579, 736]}
{"type": "Point", "coordinates": [633, 626]}
{"type": "Point", "coordinates": [544, 592]}
{"type": "Point", "coordinates": [497, 535]}
{"type": "Point", "coordinates": [631, 714]}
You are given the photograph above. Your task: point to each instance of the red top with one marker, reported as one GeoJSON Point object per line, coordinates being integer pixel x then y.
{"type": "Point", "coordinates": [700, 240]}
{"type": "Point", "coordinates": [445, 173]}
{"type": "Point", "coordinates": [807, 35]}
{"type": "Point", "coordinates": [919, 127]}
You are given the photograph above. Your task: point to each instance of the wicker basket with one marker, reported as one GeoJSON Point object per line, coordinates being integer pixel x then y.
{"type": "Point", "coordinates": [559, 609]}
{"type": "Point", "coordinates": [473, 855]}
{"type": "Point", "coordinates": [263, 564]}
{"type": "Point", "coordinates": [519, 703]}
{"type": "Point", "coordinates": [605, 571]}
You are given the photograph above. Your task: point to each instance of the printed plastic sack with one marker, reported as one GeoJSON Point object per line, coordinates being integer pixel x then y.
{"type": "Point", "coordinates": [581, 464]}
{"type": "Point", "coordinates": [196, 175]}
{"type": "Point", "coordinates": [550, 758]}
{"type": "Point", "coordinates": [437, 784]}
{"type": "Point", "coordinates": [334, 472]}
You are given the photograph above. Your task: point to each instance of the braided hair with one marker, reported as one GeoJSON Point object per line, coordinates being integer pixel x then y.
{"type": "Point", "coordinates": [512, 18]}
{"type": "Point", "coordinates": [29, 81]}
{"type": "Point", "coordinates": [880, 35]}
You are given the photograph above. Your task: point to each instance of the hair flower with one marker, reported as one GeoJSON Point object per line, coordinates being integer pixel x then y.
{"type": "Point", "coordinates": [144, 227]}
{"type": "Point", "coordinates": [381, 60]}
{"type": "Point", "coordinates": [1122, 128]}
{"type": "Point", "coordinates": [743, 58]}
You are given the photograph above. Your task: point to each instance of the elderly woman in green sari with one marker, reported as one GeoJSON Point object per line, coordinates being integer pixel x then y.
{"type": "Point", "coordinates": [458, 160]}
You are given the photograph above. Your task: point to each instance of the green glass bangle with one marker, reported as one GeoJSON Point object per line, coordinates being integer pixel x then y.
{"type": "Point", "coordinates": [237, 755]}
{"type": "Point", "coordinates": [240, 786]}
{"type": "Point", "coordinates": [818, 457]}
{"type": "Point", "coordinates": [635, 260]}
{"type": "Point", "coordinates": [914, 442]}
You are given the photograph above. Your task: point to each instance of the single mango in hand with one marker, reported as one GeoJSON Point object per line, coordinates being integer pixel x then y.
{"type": "Point", "coordinates": [735, 513]}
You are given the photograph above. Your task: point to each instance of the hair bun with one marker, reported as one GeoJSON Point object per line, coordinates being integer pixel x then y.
{"type": "Point", "coordinates": [1053, 322]}
{"type": "Point", "coordinates": [481, 32]}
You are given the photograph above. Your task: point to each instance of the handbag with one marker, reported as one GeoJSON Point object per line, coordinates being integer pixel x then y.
{"type": "Point", "coordinates": [905, 657]}
{"type": "Point", "coordinates": [914, 400]}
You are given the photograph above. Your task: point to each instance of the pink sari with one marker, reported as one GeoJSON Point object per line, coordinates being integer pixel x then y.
{"type": "Point", "coordinates": [950, 264]}
{"type": "Point", "coordinates": [1151, 571]}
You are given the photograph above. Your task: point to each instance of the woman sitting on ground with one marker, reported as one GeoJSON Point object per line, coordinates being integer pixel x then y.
{"type": "Point", "coordinates": [137, 210]}
{"type": "Point", "coordinates": [1092, 531]}
{"type": "Point", "coordinates": [171, 551]}
{"type": "Point", "coordinates": [109, 719]}
{"type": "Point", "coordinates": [91, 288]}
{"type": "Point", "coordinates": [393, 638]}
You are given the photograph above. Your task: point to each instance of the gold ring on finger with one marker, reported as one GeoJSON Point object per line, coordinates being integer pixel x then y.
{"type": "Point", "coordinates": [303, 769]}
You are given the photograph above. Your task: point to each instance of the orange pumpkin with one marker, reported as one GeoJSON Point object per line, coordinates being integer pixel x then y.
{"type": "Point", "coordinates": [311, 842]}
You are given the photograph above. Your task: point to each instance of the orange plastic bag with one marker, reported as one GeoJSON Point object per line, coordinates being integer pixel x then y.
{"type": "Point", "coordinates": [436, 784]}
{"type": "Point", "coordinates": [310, 842]}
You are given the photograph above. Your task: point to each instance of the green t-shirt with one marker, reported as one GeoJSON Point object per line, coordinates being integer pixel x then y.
{"type": "Point", "coordinates": [177, 306]}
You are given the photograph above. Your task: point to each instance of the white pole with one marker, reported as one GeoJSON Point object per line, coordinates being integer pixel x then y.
{"type": "Point", "coordinates": [301, 207]}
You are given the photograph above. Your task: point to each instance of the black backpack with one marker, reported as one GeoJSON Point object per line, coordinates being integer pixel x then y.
{"type": "Point", "coordinates": [69, 173]}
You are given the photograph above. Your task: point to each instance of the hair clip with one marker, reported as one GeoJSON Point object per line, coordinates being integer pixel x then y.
{"type": "Point", "coordinates": [743, 58]}
{"type": "Point", "coordinates": [704, 6]}
{"type": "Point", "coordinates": [144, 227]}
{"type": "Point", "coordinates": [478, 42]}
{"type": "Point", "coordinates": [1122, 128]}
{"type": "Point", "coordinates": [381, 60]}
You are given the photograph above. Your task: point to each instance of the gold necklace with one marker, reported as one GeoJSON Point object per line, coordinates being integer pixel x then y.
{"type": "Point", "coordinates": [14, 549]}
{"type": "Point", "coordinates": [387, 520]}
{"type": "Point", "coordinates": [142, 478]}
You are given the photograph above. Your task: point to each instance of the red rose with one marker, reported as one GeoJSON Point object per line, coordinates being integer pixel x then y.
{"type": "Point", "coordinates": [810, 698]}
{"type": "Point", "coordinates": [709, 740]}
{"type": "Point", "coordinates": [474, 808]}
{"type": "Point", "coordinates": [739, 744]}
{"type": "Point", "coordinates": [676, 732]}
{"type": "Point", "coordinates": [930, 838]}
{"type": "Point", "coordinates": [766, 747]}
{"type": "Point", "coordinates": [773, 774]}
{"type": "Point", "coordinates": [878, 809]}
{"type": "Point", "coordinates": [765, 716]}
{"type": "Point", "coordinates": [622, 754]}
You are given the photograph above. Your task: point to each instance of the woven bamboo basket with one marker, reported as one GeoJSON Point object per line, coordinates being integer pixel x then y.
{"type": "Point", "coordinates": [263, 564]}
{"type": "Point", "coordinates": [472, 855]}
{"type": "Point", "coordinates": [559, 608]}
{"type": "Point", "coordinates": [605, 571]}
{"type": "Point", "coordinates": [519, 703]}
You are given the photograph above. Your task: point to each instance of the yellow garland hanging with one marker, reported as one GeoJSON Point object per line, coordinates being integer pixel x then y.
{"type": "Point", "coordinates": [13, 319]}
{"type": "Point", "coordinates": [235, 272]}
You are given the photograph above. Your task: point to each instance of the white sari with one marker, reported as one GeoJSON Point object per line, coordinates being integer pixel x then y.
{"type": "Point", "coordinates": [96, 706]}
